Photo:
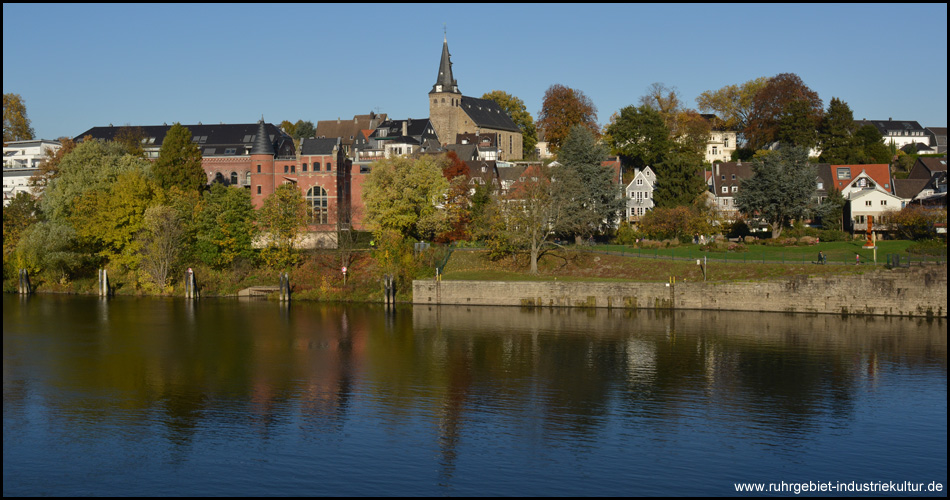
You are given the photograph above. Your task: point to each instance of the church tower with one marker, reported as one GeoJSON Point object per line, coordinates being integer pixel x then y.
{"type": "Point", "coordinates": [445, 100]}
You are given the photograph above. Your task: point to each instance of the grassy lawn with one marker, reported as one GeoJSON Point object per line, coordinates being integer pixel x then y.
{"type": "Point", "coordinates": [839, 252]}
{"type": "Point", "coordinates": [589, 266]}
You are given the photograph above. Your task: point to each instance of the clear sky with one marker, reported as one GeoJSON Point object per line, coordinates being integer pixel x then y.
{"type": "Point", "coordinates": [79, 66]}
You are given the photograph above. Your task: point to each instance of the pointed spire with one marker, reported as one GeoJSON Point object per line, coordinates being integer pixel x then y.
{"type": "Point", "coordinates": [262, 144]}
{"type": "Point", "coordinates": [445, 82]}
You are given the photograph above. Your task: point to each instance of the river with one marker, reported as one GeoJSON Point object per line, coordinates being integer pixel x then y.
{"type": "Point", "coordinates": [221, 397]}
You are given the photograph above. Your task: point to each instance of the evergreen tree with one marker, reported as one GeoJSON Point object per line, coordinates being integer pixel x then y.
{"type": "Point", "coordinates": [781, 187]}
{"type": "Point", "coordinates": [871, 145]}
{"type": "Point", "coordinates": [597, 200]}
{"type": "Point", "coordinates": [836, 135]}
{"type": "Point", "coordinates": [797, 125]}
{"type": "Point", "coordinates": [639, 136]}
{"type": "Point", "coordinates": [179, 161]}
{"type": "Point", "coordinates": [680, 180]}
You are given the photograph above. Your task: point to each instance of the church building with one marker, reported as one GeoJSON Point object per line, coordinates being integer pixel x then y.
{"type": "Point", "coordinates": [452, 114]}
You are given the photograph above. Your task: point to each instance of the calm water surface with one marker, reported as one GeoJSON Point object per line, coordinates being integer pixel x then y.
{"type": "Point", "coordinates": [225, 397]}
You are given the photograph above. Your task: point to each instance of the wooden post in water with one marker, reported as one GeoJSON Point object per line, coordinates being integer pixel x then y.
{"type": "Point", "coordinates": [284, 287]}
{"type": "Point", "coordinates": [104, 290]}
{"type": "Point", "coordinates": [389, 290]}
{"type": "Point", "coordinates": [24, 285]}
{"type": "Point", "coordinates": [191, 285]}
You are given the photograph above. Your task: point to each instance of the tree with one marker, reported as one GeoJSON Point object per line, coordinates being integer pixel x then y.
{"type": "Point", "coordinates": [179, 161]}
{"type": "Point", "coordinates": [665, 101]}
{"type": "Point", "coordinates": [831, 210]}
{"type": "Point", "coordinates": [871, 144]}
{"type": "Point", "coordinates": [402, 194]}
{"type": "Point", "coordinates": [534, 212]}
{"type": "Point", "coordinates": [303, 129]}
{"type": "Point", "coordinates": [49, 167]}
{"type": "Point", "coordinates": [90, 166]}
{"type": "Point", "coordinates": [771, 104]}
{"type": "Point", "coordinates": [131, 138]}
{"type": "Point", "coordinates": [562, 108]}
{"type": "Point", "coordinates": [797, 125]}
{"type": "Point", "coordinates": [22, 212]}
{"type": "Point", "coordinates": [289, 127]}
{"type": "Point", "coordinates": [224, 226]}
{"type": "Point", "coordinates": [16, 125]}
{"type": "Point", "coordinates": [111, 218]}
{"type": "Point", "coordinates": [639, 135]}
{"type": "Point", "coordinates": [688, 129]}
{"type": "Point", "coordinates": [49, 247]}
{"type": "Point", "coordinates": [457, 203]}
{"type": "Point", "coordinates": [681, 180]}
{"type": "Point", "coordinates": [915, 222]}
{"type": "Point", "coordinates": [836, 135]}
{"type": "Point", "coordinates": [519, 114]}
{"type": "Point", "coordinates": [733, 104]}
{"type": "Point", "coordinates": [594, 200]}
{"type": "Point", "coordinates": [780, 189]}
{"type": "Point", "coordinates": [281, 220]}
{"type": "Point", "coordinates": [161, 243]}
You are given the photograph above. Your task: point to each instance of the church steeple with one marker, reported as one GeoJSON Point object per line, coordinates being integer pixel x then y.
{"type": "Point", "coordinates": [445, 82]}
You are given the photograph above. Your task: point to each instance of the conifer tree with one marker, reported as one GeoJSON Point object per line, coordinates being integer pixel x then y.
{"type": "Point", "coordinates": [179, 161]}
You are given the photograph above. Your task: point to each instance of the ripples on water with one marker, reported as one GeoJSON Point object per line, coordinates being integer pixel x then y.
{"type": "Point", "coordinates": [156, 397]}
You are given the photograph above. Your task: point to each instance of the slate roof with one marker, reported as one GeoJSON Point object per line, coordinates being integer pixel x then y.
{"type": "Point", "coordinates": [902, 126]}
{"type": "Point", "coordinates": [488, 114]}
{"type": "Point", "coordinates": [319, 147]}
{"type": "Point", "coordinates": [415, 127]}
{"type": "Point", "coordinates": [347, 129]}
{"type": "Point", "coordinates": [939, 136]}
{"type": "Point", "coordinates": [465, 152]}
{"type": "Point", "coordinates": [211, 139]}
{"type": "Point", "coordinates": [925, 167]}
{"type": "Point", "coordinates": [909, 188]}
{"type": "Point", "coordinates": [730, 174]}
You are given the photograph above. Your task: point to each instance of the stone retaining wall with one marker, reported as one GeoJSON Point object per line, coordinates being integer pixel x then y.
{"type": "Point", "coordinates": [919, 291]}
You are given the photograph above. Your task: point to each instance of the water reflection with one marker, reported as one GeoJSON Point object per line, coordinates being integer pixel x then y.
{"type": "Point", "coordinates": [451, 381]}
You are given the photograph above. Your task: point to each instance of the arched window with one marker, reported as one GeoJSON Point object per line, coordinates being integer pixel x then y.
{"type": "Point", "coordinates": [234, 178]}
{"type": "Point", "coordinates": [317, 205]}
{"type": "Point", "coordinates": [247, 178]}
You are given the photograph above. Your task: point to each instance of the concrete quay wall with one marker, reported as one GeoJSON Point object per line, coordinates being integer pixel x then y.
{"type": "Point", "coordinates": [920, 291]}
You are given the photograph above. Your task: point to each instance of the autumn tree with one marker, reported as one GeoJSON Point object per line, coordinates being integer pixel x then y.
{"type": "Point", "coordinates": [160, 241]}
{"type": "Point", "coordinates": [457, 204]}
{"type": "Point", "coordinates": [780, 189]}
{"type": "Point", "coordinates": [16, 124]}
{"type": "Point", "coordinates": [224, 226]}
{"type": "Point", "coordinates": [774, 102]}
{"type": "Point", "coordinates": [639, 136]}
{"type": "Point", "coordinates": [533, 212]}
{"type": "Point", "coordinates": [303, 129]}
{"type": "Point", "coordinates": [49, 247]}
{"type": "Point", "coordinates": [733, 104]}
{"type": "Point", "coordinates": [90, 166]}
{"type": "Point", "coordinates": [402, 194]}
{"type": "Point", "coordinates": [131, 138]}
{"type": "Point", "coordinates": [688, 129]}
{"type": "Point", "coordinates": [562, 108]}
{"type": "Point", "coordinates": [49, 167]}
{"type": "Point", "coordinates": [281, 220]}
{"type": "Point", "coordinates": [179, 161]}
{"type": "Point", "coordinates": [519, 114]}
{"type": "Point", "coordinates": [22, 212]}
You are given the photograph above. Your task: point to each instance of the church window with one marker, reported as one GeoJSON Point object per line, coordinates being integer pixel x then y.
{"type": "Point", "coordinates": [317, 205]}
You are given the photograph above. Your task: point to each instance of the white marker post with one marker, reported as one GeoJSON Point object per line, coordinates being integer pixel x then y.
{"type": "Point", "coordinates": [344, 275]}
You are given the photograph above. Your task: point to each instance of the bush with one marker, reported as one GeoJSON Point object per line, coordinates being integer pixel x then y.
{"type": "Point", "coordinates": [928, 247]}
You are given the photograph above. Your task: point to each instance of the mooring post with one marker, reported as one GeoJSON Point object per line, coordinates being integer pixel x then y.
{"type": "Point", "coordinates": [284, 287]}
{"type": "Point", "coordinates": [103, 282]}
{"type": "Point", "coordinates": [191, 285]}
{"type": "Point", "coordinates": [24, 287]}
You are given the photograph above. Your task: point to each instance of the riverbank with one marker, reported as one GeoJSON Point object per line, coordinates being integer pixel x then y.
{"type": "Point", "coordinates": [919, 291]}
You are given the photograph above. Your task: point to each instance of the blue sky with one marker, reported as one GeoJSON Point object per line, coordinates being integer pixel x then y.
{"type": "Point", "coordinates": [79, 66]}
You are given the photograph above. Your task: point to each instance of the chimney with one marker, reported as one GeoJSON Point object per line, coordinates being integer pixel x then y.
{"type": "Point", "coordinates": [405, 128]}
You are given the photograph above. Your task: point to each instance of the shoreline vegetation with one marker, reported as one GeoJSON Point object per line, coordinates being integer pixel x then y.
{"type": "Point", "coordinates": [318, 275]}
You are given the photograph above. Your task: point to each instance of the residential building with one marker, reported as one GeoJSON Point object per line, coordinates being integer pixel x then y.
{"type": "Point", "coordinates": [639, 194]}
{"type": "Point", "coordinates": [452, 113]}
{"type": "Point", "coordinates": [21, 161]}
{"type": "Point", "coordinates": [721, 143]}
{"type": "Point", "coordinates": [724, 185]}
{"type": "Point", "coordinates": [898, 132]}
{"type": "Point", "coordinates": [398, 138]}
{"type": "Point", "coordinates": [938, 139]}
{"type": "Point", "coordinates": [347, 130]}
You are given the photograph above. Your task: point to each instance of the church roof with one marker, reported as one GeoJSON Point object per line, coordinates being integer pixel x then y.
{"type": "Point", "coordinates": [488, 114]}
{"type": "Point", "coordinates": [445, 78]}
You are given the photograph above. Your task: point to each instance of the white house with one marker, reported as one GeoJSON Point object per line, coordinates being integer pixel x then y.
{"type": "Point", "coordinates": [21, 160]}
{"type": "Point", "coordinates": [639, 193]}
{"type": "Point", "coordinates": [898, 132]}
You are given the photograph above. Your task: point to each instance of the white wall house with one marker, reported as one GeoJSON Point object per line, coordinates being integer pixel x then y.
{"type": "Point", "coordinates": [639, 194]}
{"type": "Point", "coordinates": [898, 132]}
{"type": "Point", "coordinates": [721, 145]}
{"type": "Point", "coordinates": [21, 160]}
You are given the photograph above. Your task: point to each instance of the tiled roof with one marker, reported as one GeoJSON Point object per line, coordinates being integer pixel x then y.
{"type": "Point", "coordinates": [879, 172]}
